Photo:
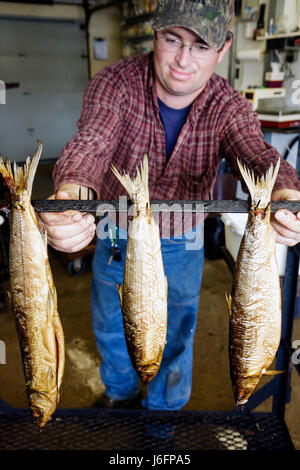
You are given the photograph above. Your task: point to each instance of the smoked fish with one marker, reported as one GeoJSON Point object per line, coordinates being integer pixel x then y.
{"type": "Point", "coordinates": [143, 294]}
{"type": "Point", "coordinates": [33, 295]}
{"type": "Point", "coordinates": [255, 301]}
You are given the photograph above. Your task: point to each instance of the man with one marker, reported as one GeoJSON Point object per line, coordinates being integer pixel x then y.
{"type": "Point", "coordinates": [173, 107]}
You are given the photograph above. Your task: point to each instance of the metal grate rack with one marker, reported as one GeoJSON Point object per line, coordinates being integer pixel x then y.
{"type": "Point", "coordinates": [92, 429]}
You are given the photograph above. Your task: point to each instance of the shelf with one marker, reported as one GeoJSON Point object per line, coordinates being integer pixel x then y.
{"type": "Point", "coordinates": [278, 36]}
{"type": "Point", "coordinates": [137, 39]}
{"type": "Point", "coordinates": [111, 3]}
{"type": "Point", "coordinates": [138, 19]}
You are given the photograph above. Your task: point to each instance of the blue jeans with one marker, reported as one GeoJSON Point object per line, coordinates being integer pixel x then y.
{"type": "Point", "coordinates": [171, 388]}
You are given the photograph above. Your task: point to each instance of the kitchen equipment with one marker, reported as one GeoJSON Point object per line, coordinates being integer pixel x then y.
{"type": "Point", "coordinates": [254, 95]}
{"type": "Point", "coordinates": [275, 78]}
{"type": "Point", "coordinates": [279, 119]}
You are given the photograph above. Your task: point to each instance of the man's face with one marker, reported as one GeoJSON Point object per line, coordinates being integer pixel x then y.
{"type": "Point", "coordinates": [180, 74]}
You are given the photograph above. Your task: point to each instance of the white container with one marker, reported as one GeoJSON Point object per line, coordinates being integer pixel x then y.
{"type": "Point", "coordinates": [286, 16]}
{"type": "Point", "coordinates": [234, 230]}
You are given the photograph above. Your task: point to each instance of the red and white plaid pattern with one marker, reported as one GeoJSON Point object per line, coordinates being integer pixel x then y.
{"type": "Point", "coordinates": [120, 123]}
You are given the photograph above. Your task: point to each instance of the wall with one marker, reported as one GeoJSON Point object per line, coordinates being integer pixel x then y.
{"type": "Point", "coordinates": [106, 24]}
{"type": "Point", "coordinates": [43, 49]}
{"type": "Point", "coordinates": [44, 11]}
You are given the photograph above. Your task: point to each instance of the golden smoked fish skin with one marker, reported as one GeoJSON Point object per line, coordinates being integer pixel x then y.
{"type": "Point", "coordinates": [143, 294]}
{"type": "Point", "coordinates": [33, 296]}
{"type": "Point", "coordinates": [255, 302]}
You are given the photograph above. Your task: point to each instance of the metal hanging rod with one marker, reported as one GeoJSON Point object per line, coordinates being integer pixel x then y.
{"type": "Point", "coordinates": [103, 206]}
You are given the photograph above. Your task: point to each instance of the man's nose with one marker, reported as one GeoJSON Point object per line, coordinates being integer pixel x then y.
{"type": "Point", "coordinates": [183, 56]}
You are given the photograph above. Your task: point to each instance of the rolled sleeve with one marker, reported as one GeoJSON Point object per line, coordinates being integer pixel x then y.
{"type": "Point", "coordinates": [86, 157]}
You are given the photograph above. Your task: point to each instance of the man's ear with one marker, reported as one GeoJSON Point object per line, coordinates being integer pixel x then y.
{"type": "Point", "coordinates": [224, 49]}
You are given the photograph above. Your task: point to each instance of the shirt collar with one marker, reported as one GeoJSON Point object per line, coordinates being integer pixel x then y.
{"type": "Point", "coordinates": [199, 103]}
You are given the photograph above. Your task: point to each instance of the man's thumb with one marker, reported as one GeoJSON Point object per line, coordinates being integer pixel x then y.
{"type": "Point", "coordinates": [64, 195]}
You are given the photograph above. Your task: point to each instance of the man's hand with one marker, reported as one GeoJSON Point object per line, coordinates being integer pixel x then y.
{"type": "Point", "coordinates": [285, 223]}
{"type": "Point", "coordinates": [68, 231]}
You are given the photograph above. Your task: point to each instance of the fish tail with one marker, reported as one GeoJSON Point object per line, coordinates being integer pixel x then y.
{"type": "Point", "coordinates": [7, 174]}
{"type": "Point", "coordinates": [260, 189]}
{"type": "Point", "coordinates": [30, 168]}
{"type": "Point", "coordinates": [18, 178]}
{"type": "Point", "coordinates": [136, 184]}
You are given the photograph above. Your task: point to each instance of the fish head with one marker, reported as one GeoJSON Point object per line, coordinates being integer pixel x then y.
{"type": "Point", "coordinates": [244, 387]}
{"type": "Point", "coordinates": [42, 407]}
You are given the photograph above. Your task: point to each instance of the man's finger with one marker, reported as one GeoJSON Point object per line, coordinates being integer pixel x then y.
{"type": "Point", "coordinates": [61, 218]}
{"type": "Point", "coordinates": [284, 233]}
{"type": "Point", "coordinates": [288, 220]}
{"type": "Point", "coordinates": [61, 232]}
{"type": "Point", "coordinates": [83, 244]}
{"type": "Point", "coordinates": [285, 241]}
{"type": "Point", "coordinates": [67, 244]}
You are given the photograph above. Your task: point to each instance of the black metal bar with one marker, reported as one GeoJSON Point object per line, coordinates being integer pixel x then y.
{"type": "Point", "coordinates": [87, 13]}
{"type": "Point", "coordinates": [228, 258]}
{"type": "Point", "coordinates": [260, 395]}
{"type": "Point", "coordinates": [103, 206]}
{"type": "Point", "coordinates": [5, 407]}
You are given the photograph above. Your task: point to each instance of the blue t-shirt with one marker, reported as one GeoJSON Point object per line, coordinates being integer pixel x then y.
{"type": "Point", "coordinates": [173, 121]}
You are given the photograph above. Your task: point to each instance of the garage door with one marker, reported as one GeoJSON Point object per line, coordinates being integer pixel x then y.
{"type": "Point", "coordinates": [48, 60]}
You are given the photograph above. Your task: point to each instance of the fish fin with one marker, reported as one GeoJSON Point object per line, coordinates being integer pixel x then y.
{"type": "Point", "coordinates": [229, 301]}
{"type": "Point", "coordinates": [30, 168]}
{"type": "Point", "coordinates": [272, 372]}
{"type": "Point", "coordinates": [20, 178]}
{"type": "Point", "coordinates": [9, 296]}
{"type": "Point", "coordinates": [60, 343]}
{"type": "Point", "coordinates": [132, 185]}
{"type": "Point", "coordinates": [59, 335]}
{"type": "Point", "coordinates": [120, 292]}
{"type": "Point", "coordinates": [43, 233]}
{"type": "Point", "coordinates": [7, 175]}
{"type": "Point", "coordinates": [261, 189]}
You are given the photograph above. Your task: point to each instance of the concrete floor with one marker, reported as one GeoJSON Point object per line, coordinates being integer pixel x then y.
{"type": "Point", "coordinates": [82, 385]}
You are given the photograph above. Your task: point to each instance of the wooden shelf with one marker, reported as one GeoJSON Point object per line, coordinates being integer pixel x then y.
{"type": "Point", "coordinates": [138, 19]}
{"type": "Point", "coordinates": [102, 6]}
{"type": "Point", "coordinates": [137, 39]}
{"type": "Point", "coordinates": [278, 36]}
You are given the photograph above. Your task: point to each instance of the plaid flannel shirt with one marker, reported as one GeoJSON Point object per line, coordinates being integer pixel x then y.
{"type": "Point", "coordinates": [120, 123]}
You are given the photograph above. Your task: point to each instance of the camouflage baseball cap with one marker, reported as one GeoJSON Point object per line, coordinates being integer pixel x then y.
{"type": "Point", "coordinates": [210, 19]}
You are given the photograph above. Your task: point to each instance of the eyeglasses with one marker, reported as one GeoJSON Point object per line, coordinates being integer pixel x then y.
{"type": "Point", "coordinates": [173, 45]}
